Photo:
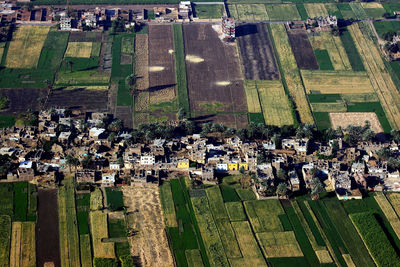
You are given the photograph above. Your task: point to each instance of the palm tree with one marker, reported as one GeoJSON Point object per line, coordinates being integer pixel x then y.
{"type": "Point", "coordinates": [131, 83]}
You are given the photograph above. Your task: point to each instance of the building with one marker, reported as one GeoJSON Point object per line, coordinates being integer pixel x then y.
{"type": "Point", "coordinates": [185, 10]}
{"type": "Point", "coordinates": [147, 160]}
{"type": "Point", "coordinates": [108, 180]}
{"type": "Point", "coordinates": [228, 27]}
{"type": "Point", "coordinates": [85, 176]}
{"type": "Point", "coordinates": [65, 23]}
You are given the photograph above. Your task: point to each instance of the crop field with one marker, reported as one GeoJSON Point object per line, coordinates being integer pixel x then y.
{"type": "Point", "coordinates": [382, 27]}
{"type": "Point", "coordinates": [290, 72]}
{"type": "Point", "coordinates": [69, 237]}
{"type": "Point", "coordinates": [86, 253]}
{"type": "Point", "coordinates": [346, 10]}
{"type": "Point", "coordinates": [329, 107]}
{"type": "Point", "coordinates": [244, 12]}
{"type": "Point", "coordinates": [24, 50]}
{"type": "Point", "coordinates": [82, 202]}
{"type": "Point", "coordinates": [302, 50]}
{"type": "Point", "coordinates": [161, 64]}
{"type": "Point", "coordinates": [150, 244]}
{"type": "Point", "coordinates": [79, 49]}
{"type": "Point", "coordinates": [333, 45]}
{"type": "Point", "coordinates": [208, 11]}
{"type": "Point", "coordinates": [336, 82]}
{"type": "Point", "coordinates": [353, 54]}
{"type": "Point", "coordinates": [47, 230]}
{"type": "Point", "coordinates": [211, 91]}
{"type": "Point", "coordinates": [283, 12]}
{"type": "Point", "coordinates": [394, 199]}
{"type": "Point", "coordinates": [22, 252]}
{"type": "Point", "coordinates": [373, 9]}
{"type": "Point", "coordinates": [263, 215]}
{"type": "Point", "coordinates": [316, 10]}
{"type": "Point", "coordinates": [256, 52]}
{"type": "Point", "coordinates": [279, 244]}
{"type": "Point", "coordinates": [389, 212]}
{"type": "Point", "coordinates": [167, 203]}
{"type": "Point", "coordinates": [5, 237]}
{"type": "Point", "coordinates": [380, 78]}
{"type": "Point", "coordinates": [99, 230]}
{"type": "Point", "coordinates": [253, 101]}
{"type": "Point", "coordinates": [355, 118]}
{"type": "Point", "coordinates": [275, 103]}
{"type": "Point", "coordinates": [358, 10]}
{"type": "Point", "coordinates": [193, 257]}
{"type": "Point", "coordinates": [333, 10]}
{"type": "Point", "coordinates": [235, 211]}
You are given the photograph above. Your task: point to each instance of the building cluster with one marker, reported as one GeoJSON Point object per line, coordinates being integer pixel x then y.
{"type": "Point", "coordinates": [317, 24]}
{"type": "Point", "coordinates": [41, 154]}
{"type": "Point", "coordinates": [94, 18]}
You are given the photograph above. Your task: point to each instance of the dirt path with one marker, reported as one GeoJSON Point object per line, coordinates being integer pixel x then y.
{"type": "Point", "coordinates": [150, 243]}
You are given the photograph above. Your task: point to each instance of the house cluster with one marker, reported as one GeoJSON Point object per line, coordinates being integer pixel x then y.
{"type": "Point", "coordinates": [72, 142]}
{"type": "Point", "coordinates": [321, 23]}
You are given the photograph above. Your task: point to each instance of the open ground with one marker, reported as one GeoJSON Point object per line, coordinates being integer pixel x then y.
{"type": "Point", "coordinates": [355, 118]}
{"type": "Point", "coordinates": [150, 244]}
{"type": "Point", "coordinates": [302, 50]}
{"type": "Point", "coordinates": [256, 52]}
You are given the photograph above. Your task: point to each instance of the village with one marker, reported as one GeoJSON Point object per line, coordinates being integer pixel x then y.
{"type": "Point", "coordinates": [100, 153]}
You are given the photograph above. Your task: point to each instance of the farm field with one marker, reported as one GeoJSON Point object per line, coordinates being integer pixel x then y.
{"type": "Point", "coordinates": [212, 92]}
{"type": "Point", "coordinates": [316, 10]}
{"type": "Point", "coordinates": [336, 82]}
{"type": "Point", "coordinates": [389, 212]}
{"type": "Point", "coordinates": [208, 11]}
{"type": "Point", "coordinates": [256, 52]}
{"type": "Point", "coordinates": [380, 78]}
{"type": "Point", "coordinates": [253, 101]}
{"type": "Point", "coordinates": [302, 50]}
{"type": "Point", "coordinates": [23, 252]}
{"type": "Point", "coordinates": [291, 75]}
{"type": "Point", "coordinates": [24, 50]}
{"type": "Point", "coordinates": [275, 103]}
{"type": "Point", "coordinates": [99, 230]}
{"type": "Point", "coordinates": [79, 49]}
{"type": "Point", "coordinates": [89, 100]}
{"type": "Point", "coordinates": [282, 12]}
{"type": "Point", "coordinates": [356, 119]}
{"type": "Point", "coordinates": [150, 244]}
{"type": "Point", "coordinates": [373, 9]}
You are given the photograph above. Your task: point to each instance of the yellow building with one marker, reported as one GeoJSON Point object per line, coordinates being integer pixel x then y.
{"type": "Point", "coordinates": [244, 165]}
{"type": "Point", "coordinates": [233, 166]}
{"type": "Point", "coordinates": [184, 164]}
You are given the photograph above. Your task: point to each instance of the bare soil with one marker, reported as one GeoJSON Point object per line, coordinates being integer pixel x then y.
{"type": "Point", "coordinates": [216, 78]}
{"type": "Point", "coordinates": [22, 99]}
{"type": "Point", "coordinates": [47, 236]}
{"type": "Point", "coordinates": [302, 50]}
{"type": "Point", "coordinates": [82, 37]}
{"type": "Point", "coordinates": [160, 43]}
{"type": "Point", "coordinates": [150, 244]}
{"type": "Point", "coordinates": [355, 119]}
{"type": "Point", "coordinates": [256, 52]}
{"type": "Point", "coordinates": [124, 113]}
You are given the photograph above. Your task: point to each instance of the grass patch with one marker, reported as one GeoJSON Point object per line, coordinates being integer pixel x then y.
{"type": "Point", "coordinates": [229, 194]}
{"type": "Point", "coordinates": [256, 117]}
{"type": "Point", "coordinates": [5, 237]}
{"type": "Point", "coordinates": [99, 230]}
{"type": "Point", "coordinates": [114, 198]}
{"type": "Point", "coordinates": [322, 120]}
{"type": "Point", "coordinates": [235, 211]}
{"type": "Point", "coordinates": [6, 203]}
{"type": "Point", "coordinates": [82, 212]}
{"type": "Point", "coordinates": [324, 98]}
{"type": "Point", "coordinates": [283, 12]}
{"type": "Point", "coordinates": [7, 121]}
{"type": "Point", "coordinates": [180, 69]}
{"type": "Point", "coordinates": [263, 215]}
{"type": "Point", "coordinates": [323, 59]}
{"type": "Point", "coordinates": [245, 194]}
{"type": "Point", "coordinates": [86, 253]}
{"type": "Point", "coordinates": [117, 229]}
{"type": "Point", "coordinates": [167, 204]}
{"type": "Point", "coordinates": [208, 11]}
{"type": "Point", "coordinates": [79, 49]}
{"type": "Point", "coordinates": [302, 11]}
{"type": "Point", "coordinates": [193, 257]}
{"type": "Point", "coordinates": [216, 202]}
{"type": "Point", "coordinates": [20, 201]}
{"type": "Point", "coordinates": [128, 45]}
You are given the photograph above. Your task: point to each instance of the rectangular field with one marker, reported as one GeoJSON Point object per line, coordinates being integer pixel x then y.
{"type": "Point", "coordinates": [336, 82]}
{"type": "Point", "coordinates": [256, 52]}
{"type": "Point", "coordinates": [275, 103]}
{"type": "Point", "coordinates": [99, 230]}
{"type": "Point", "coordinates": [86, 250]}
{"type": "Point", "coordinates": [279, 244]}
{"type": "Point", "coordinates": [316, 10]}
{"type": "Point", "coordinates": [23, 249]}
{"type": "Point", "coordinates": [235, 211]}
{"type": "Point", "coordinates": [263, 215]}
{"type": "Point", "coordinates": [302, 50]}
{"type": "Point", "coordinates": [24, 50]}
{"type": "Point", "coordinates": [290, 72]}
{"type": "Point", "coordinates": [282, 12]}
{"type": "Point", "coordinates": [389, 212]}
{"type": "Point", "coordinates": [208, 11]}
{"type": "Point", "coordinates": [253, 101]}
{"type": "Point", "coordinates": [79, 49]}
{"type": "Point", "coordinates": [356, 119]}
{"type": "Point", "coordinates": [167, 204]}
{"type": "Point", "coordinates": [5, 239]}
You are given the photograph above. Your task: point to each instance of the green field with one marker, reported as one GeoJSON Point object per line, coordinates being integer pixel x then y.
{"type": "Point", "coordinates": [235, 211]}
{"type": "Point", "coordinates": [351, 50]}
{"type": "Point", "coordinates": [283, 12]}
{"type": "Point", "coordinates": [346, 11]}
{"type": "Point", "coordinates": [20, 201]}
{"type": "Point", "coordinates": [208, 11]}
{"type": "Point", "coordinates": [302, 11]}
{"type": "Point", "coordinates": [5, 239]}
{"type": "Point", "coordinates": [114, 198]}
{"type": "Point", "coordinates": [82, 202]}
{"type": "Point", "coordinates": [117, 229]}
{"type": "Point", "coordinates": [167, 204]}
{"type": "Point", "coordinates": [383, 27]}
{"type": "Point", "coordinates": [86, 253]}
{"type": "Point", "coordinates": [323, 59]}
{"type": "Point", "coordinates": [358, 10]}
{"type": "Point", "coordinates": [180, 69]}
{"type": "Point", "coordinates": [263, 215]}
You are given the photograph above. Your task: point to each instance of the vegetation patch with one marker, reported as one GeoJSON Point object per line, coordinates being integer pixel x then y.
{"type": "Point", "coordinates": [208, 11]}
{"type": "Point", "coordinates": [114, 198]}
{"type": "Point", "coordinates": [79, 49]}
{"type": "Point", "coordinates": [99, 230]}
{"type": "Point", "coordinates": [324, 62]}
{"type": "Point", "coordinates": [279, 244]}
{"type": "Point", "coordinates": [263, 215]}
{"type": "Point", "coordinates": [235, 211]}
{"type": "Point", "coordinates": [5, 237]}
{"type": "Point", "coordinates": [167, 204]}
{"type": "Point", "coordinates": [282, 12]}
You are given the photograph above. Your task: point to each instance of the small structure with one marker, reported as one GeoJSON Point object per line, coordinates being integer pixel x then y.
{"type": "Point", "coordinates": [85, 176]}
{"type": "Point", "coordinates": [228, 27]}
{"type": "Point", "coordinates": [185, 10]}
{"type": "Point", "coordinates": [65, 23]}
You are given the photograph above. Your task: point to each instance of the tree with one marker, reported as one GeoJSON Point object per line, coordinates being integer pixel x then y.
{"type": "Point", "coordinates": [395, 135]}
{"type": "Point", "coordinates": [387, 15]}
{"type": "Point", "coordinates": [368, 135]}
{"type": "Point", "coordinates": [120, 161]}
{"type": "Point", "coordinates": [245, 181]}
{"type": "Point", "coordinates": [85, 162]}
{"type": "Point", "coordinates": [3, 102]}
{"type": "Point", "coordinates": [130, 82]}
{"type": "Point", "coordinates": [281, 189]}
{"type": "Point", "coordinates": [316, 188]}
{"type": "Point", "coordinates": [116, 126]}
{"type": "Point", "coordinates": [72, 161]}
{"type": "Point", "coordinates": [335, 31]}
{"type": "Point", "coordinates": [112, 137]}
{"type": "Point", "coordinates": [48, 84]}
{"type": "Point", "coordinates": [180, 115]}
{"type": "Point", "coordinates": [242, 170]}
{"type": "Point", "coordinates": [281, 174]}
{"type": "Point", "coordinates": [383, 153]}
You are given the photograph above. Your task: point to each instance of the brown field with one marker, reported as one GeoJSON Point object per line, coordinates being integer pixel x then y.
{"type": "Point", "coordinates": [124, 113]}
{"type": "Point", "coordinates": [47, 235]}
{"type": "Point", "coordinates": [302, 50]}
{"type": "Point", "coordinates": [256, 52]}
{"type": "Point", "coordinates": [355, 118]}
{"type": "Point", "coordinates": [86, 36]}
{"type": "Point", "coordinates": [213, 73]}
{"type": "Point", "coordinates": [142, 61]}
{"type": "Point", "coordinates": [26, 46]}
{"type": "Point", "coordinates": [22, 99]}
{"type": "Point", "coordinates": [150, 244]}
{"type": "Point", "coordinates": [88, 100]}
{"type": "Point", "coordinates": [79, 49]}
{"type": "Point", "coordinates": [161, 64]}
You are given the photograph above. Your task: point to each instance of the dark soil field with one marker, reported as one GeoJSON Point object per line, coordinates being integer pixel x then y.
{"type": "Point", "coordinates": [256, 52]}
{"type": "Point", "coordinates": [161, 62]}
{"type": "Point", "coordinates": [214, 78]}
{"type": "Point", "coordinates": [228, 119]}
{"type": "Point", "coordinates": [85, 37]}
{"type": "Point", "coordinates": [302, 50]}
{"type": "Point", "coordinates": [124, 113]}
{"type": "Point", "coordinates": [47, 237]}
{"type": "Point", "coordinates": [86, 100]}
{"type": "Point", "coordinates": [22, 99]}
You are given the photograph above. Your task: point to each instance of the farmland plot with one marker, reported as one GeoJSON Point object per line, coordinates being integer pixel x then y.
{"type": "Point", "coordinates": [79, 49]}
{"type": "Point", "coordinates": [279, 244]}
{"type": "Point", "coordinates": [150, 244]}
{"type": "Point", "coordinates": [5, 238]}
{"type": "Point", "coordinates": [373, 9]}
{"type": "Point", "coordinates": [380, 78]}
{"type": "Point", "coordinates": [336, 82]}
{"type": "Point", "coordinates": [291, 73]}
{"type": "Point", "coordinates": [253, 101]}
{"type": "Point", "coordinates": [356, 119]}
{"type": "Point", "coordinates": [161, 64]}
{"type": "Point", "coordinates": [244, 12]}
{"type": "Point", "coordinates": [214, 79]}
{"type": "Point", "coordinates": [263, 215]}
{"type": "Point", "coordinates": [23, 252]}
{"type": "Point", "coordinates": [394, 199]}
{"type": "Point", "coordinates": [22, 99]}
{"type": "Point", "coordinates": [316, 10]}
{"type": "Point", "coordinates": [24, 50]}
{"type": "Point", "coordinates": [389, 212]}
{"type": "Point", "coordinates": [358, 10]}
{"type": "Point", "coordinates": [302, 50]}
{"type": "Point", "coordinates": [282, 12]}
{"type": "Point", "coordinates": [259, 12]}
{"type": "Point", "coordinates": [99, 230]}
{"type": "Point", "coordinates": [256, 52]}
{"type": "Point", "coordinates": [275, 103]}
